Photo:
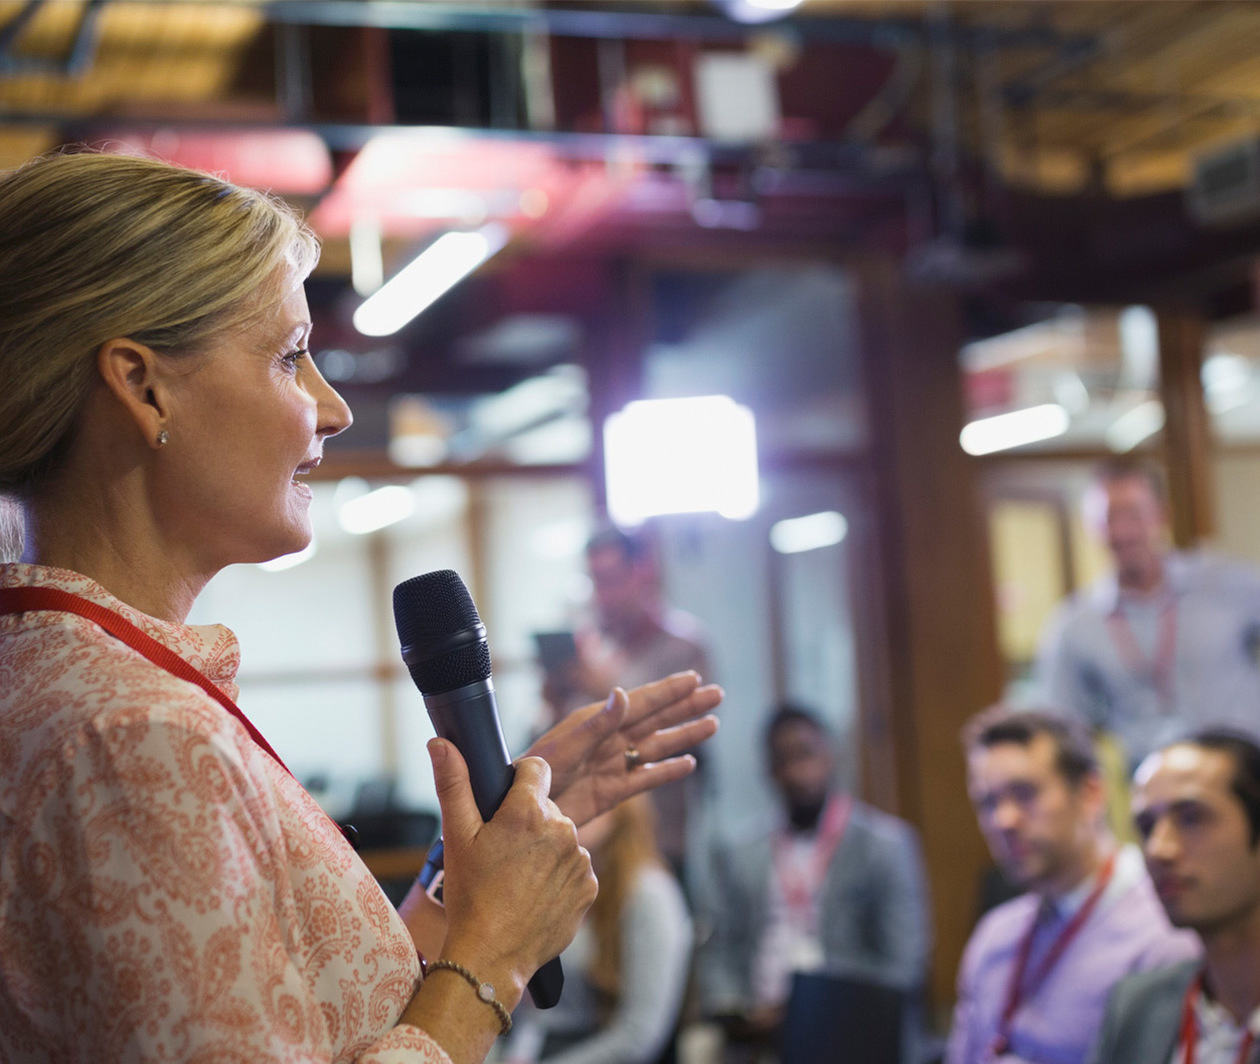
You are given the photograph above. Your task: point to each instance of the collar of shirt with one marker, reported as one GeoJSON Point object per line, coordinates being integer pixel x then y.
{"type": "Point", "coordinates": [1218, 1033]}
{"type": "Point", "coordinates": [1177, 580]}
{"type": "Point", "coordinates": [212, 649]}
{"type": "Point", "coordinates": [1129, 869]}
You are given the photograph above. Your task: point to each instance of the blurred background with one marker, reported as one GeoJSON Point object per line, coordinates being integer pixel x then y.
{"type": "Point", "coordinates": [941, 257]}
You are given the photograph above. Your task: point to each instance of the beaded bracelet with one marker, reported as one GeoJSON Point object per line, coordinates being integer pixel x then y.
{"type": "Point", "coordinates": [485, 992]}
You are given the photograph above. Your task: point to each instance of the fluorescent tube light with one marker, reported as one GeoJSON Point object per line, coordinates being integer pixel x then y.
{"type": "Point", "coordinates": [377, 509]}
{"type": "Point", "coordinates": [1134, 426]}
{"type": "Point", "coordinates": [436, 270]}
{"type": "Point", "coordinates": [288, 561]}
{"type": "Point", "coordinates": [367, 266]}
{"type": "Point", "coordinates": [1014, 429]}
{"type": "Point", "coordinates": [797, 534]}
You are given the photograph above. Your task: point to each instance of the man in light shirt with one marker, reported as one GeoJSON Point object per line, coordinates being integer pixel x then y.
{"type": "Point", "coordinates": [1196, 804]}
{"type": "Point", "coordinates": [829, 885]}
{"type": "Point", "coordinates": [1169, 641]}
{"type": "Point", "coordinates": [1035, 976]}
{"type": "Point", "coordinates": [636, 637]}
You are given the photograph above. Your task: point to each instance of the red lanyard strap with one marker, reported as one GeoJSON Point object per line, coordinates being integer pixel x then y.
{"type": "Point", "coordinates": [1158, 667]}
{"type": "Point", "coordinates": [1016, 992]}
{"type": "Point", "coordinates": [23, 599]}
{"type": "Point", "coordinates": [1190, 1027]}
{"type": "Point", "coordinates": [798, 890]}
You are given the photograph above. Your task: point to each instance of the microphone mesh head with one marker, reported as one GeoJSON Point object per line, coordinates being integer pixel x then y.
{"type": "Point", "coordinates": [428, 611]}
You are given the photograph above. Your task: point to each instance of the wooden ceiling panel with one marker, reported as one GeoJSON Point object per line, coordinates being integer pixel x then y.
{"type": "Point", "coordinates": [143, 52]}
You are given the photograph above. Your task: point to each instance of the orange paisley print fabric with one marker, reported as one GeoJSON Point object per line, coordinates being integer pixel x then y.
{"type": "Point", "coordinates": [167, 891]}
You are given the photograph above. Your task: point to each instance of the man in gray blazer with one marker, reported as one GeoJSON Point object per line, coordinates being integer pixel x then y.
{"type": "Point", "coordinates": [828, 885]}
{"type": "Point", "coordinates": [1196, 804]}
{"type": "Point", "coordinates": [1143, 1018]}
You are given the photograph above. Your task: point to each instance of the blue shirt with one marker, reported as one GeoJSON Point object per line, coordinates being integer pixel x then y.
{"type": "Point", "coordinates": [1103, 654]}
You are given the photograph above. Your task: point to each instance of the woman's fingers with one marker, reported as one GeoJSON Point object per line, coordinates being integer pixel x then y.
{"type": "Point", "coordinates": [517, 887]}
{"type": "Point", "coordinates": [668, 742]}
{"type": "Point", "coordinates": [460, 819]}
{"type": "Point", "coordinates": [662, 714]}
{"type": "Point", "coordinates": [650, 698]}
{"type": "Point", "coordinates": [645, 777]}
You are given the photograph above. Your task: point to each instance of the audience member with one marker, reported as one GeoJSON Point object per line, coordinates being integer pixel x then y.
{"type": "Point", "coordinates": [830, 886]}
{"type": "Point", "coordinates": [1169, 640]}
{"type": "Point", "coordinates": [635, 634]}
{"type": "Point", "coordinates": [1197, 809]}
{"type": "Point", "coordinates": [627, 967]}
{"type": "Point", "coordinates": [1035, 975]}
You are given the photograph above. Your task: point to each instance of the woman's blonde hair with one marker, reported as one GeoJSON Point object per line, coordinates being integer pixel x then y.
{"type": "Point", "coordinates": [96, 246]}
{"type": "Point", "coordinates": [628, 848]}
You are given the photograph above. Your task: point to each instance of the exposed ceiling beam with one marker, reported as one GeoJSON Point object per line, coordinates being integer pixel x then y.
{"type": "Point", "coordinates": [615, 22]}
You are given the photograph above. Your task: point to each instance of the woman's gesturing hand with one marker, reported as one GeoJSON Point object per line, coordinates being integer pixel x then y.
{"type": "Point", "coordinates": [603, 753]}
{"type": "Point", "coordinates": [516, 887]}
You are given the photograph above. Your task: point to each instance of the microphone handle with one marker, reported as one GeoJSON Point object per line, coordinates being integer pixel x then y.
{"type": "Point", "coordinates": [469, 717]}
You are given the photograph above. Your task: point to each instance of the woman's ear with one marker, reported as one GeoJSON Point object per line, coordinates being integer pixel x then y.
{"type": "Point", "coordinates": [131, 372]}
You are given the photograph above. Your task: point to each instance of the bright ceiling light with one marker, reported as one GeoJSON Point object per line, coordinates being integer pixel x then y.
{"type": "Point", "coordinates": [441, 266]}
{"type": "Point", "coordinates": [811, 532]}
{"type": "Point", "coordinates": [758, 10]}
{"type": "Point", "coordinates": [666, 456]}
{"type": "Point", "coordinates": [1014, 429]}
{"type": "Point", "coordinates": [1134, 426]}
{"type": "Point", "coordinates": [1224, 372]}
{"type": "Point", "coordinates": [288, 561]}
{"type": "Point", "coordinates": [377, 509]}
{"type": "Point", "coordinates": [367, 266]}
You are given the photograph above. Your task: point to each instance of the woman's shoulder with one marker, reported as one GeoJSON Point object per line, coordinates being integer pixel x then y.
{"type": "Point", "coordinates": [69, 688]}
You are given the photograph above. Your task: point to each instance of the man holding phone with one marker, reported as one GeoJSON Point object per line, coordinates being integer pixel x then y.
{"type": "Point", "coordinates": [636, 637]}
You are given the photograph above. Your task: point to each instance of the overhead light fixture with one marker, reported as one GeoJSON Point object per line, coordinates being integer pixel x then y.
{"type": "Point", "coordinates": [811, 532]}
{"type": "Point", "coordinates": [1014, 429]}
{"type": "Point", "coordinates": [1134, 426]}
{"type": "Point", "coordinates": [752, 11]}
{"type": "Point", "coordinates": [667, 456]}
{"type": "Point", "coordinates": [288, 561]}
{"type": "Point", "coordinates": [419, 284]}
{"type": "Point", "coordinates": [376, 510]}
{"type": "Point", "coordinates": [1226, 381]}
{"type": "Point", "coordinates": [367, 266]}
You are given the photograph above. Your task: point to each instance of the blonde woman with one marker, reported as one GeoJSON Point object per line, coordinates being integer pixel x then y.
{"type": "Point", "coordinates": [627, 966]}
{"type": "Point", "coordinates": [167, 890]}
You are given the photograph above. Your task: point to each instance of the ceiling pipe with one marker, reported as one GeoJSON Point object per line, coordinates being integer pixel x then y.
{"type": "Point", "coordinates": [611, 22]}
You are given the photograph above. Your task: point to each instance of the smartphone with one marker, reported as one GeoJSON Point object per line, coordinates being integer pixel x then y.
{"type": "Point", "coordinates": [556, 650]}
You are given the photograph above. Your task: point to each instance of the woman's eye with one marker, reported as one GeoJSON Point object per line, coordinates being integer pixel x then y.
{"type": "Point", "coordinates": [294, 357]}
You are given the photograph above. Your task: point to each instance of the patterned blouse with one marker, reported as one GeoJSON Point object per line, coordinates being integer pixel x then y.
{"type": "Point", "coordinates": [167, 891]}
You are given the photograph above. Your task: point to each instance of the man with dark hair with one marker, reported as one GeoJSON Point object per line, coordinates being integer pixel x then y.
{"type": "Point", "coordinates": [829, 885]}
{"type": "Point", "coordinates": [1196, 804]}
{"type": "Point", "coordinates": [1169, 640]}
{"type": "Point", "coordinates": [1035, 975]}
{"type": "Point", "coordinates": [635, 637]}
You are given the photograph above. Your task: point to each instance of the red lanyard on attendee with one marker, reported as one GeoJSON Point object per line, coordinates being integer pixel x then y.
{"type": "Point", "coordinates": [1016, 992]}
{"type": "Point", "coordinates": [1159, 666]}
{"type": "Point", "coordinates": [24, 599]}
{"type": "Point", "coordinates": [799, 890]}
{"type": "Point", "coordinates": [1190, 1028]}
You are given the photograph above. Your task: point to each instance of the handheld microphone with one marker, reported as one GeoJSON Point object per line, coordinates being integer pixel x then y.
{"type": "Point", "coordinates": [445, 650]}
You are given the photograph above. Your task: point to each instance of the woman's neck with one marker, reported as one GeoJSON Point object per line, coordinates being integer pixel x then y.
{"type": "Point", "coordinates": [115, 546]}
